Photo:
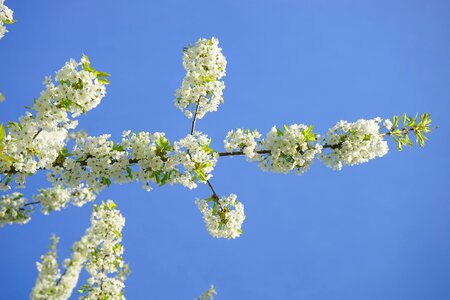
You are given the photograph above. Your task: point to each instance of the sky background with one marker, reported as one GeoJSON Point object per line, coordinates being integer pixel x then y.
{"type": "Point", "coordinates": [375, 231]}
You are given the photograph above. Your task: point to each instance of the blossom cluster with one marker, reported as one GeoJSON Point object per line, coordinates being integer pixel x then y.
{"type": "Point", "coordinates": [196, 159]}
{"type": "Point", "coordinates": [243, 140]}
{"type": "Point", "coordinates": [99, 250]}
{"type": "Point", "coordinates": [12, 209]}
{"type": "Point", "coordinates": [224, 218]}
{"type": "Point", "coordinates": [282, 151]}
{"type": "Point", "coordinates": [159, 161]}
{"type": "Point", "coordinates": [36, 141]}
{"type": "Point", "coordinates": [353, 143]}
{"type": "Point", "coordinates": [201, 89]}
{"type": "Point", "coordinates": [96, 162]}
{"type": "Point", "coordinates": [6, 17]}
{"type": "Point", "coordinates": [106, 255]}
{"type": "Point", "coordinates": [57, 197]}
{"type": "Point", "coordinates": [293, 148]}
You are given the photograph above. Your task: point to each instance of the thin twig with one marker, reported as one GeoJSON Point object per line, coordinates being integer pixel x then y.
{"type": "Point", "coordinates": [195, 115]}
{"type": "Point", "coordinates": [37, 133]}
{"type": "Point", "coordinates": [234, 153]}
{"type": "Point", "coordinates": [212, 189]}
{"type": "Point", "coordinates": [61, 277]}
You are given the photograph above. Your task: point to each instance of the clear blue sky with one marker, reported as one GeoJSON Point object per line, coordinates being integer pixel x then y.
{"type": "Point", "coordinates": [376, 231]}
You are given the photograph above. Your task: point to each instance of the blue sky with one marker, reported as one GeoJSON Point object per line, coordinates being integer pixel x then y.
{"type": "Point", "coordinates": [375, 231]}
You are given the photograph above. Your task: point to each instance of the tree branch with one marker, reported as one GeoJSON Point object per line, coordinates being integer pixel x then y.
{"type": "Point", "coordinates": [212, 189]}
{"type": "Point", "coordinates": [195, 115]}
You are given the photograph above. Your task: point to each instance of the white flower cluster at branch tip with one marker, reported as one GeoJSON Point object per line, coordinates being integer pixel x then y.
{"type": "Point", "coordinates": [223, 217]}
{"type": "Point", "coordinates": [12, 209]}
{"type": "Point", "coordinates": [201, 89]}
{"type": "Point", "coordinates": [106, 256]}
{"type": "Point", "coordinates": [36, 141]}
{"type": "Point", "coordinates": [354, 143]}
{"type": "Point", "coordinates": [99, 250]}
{"type": "Point", "coordinates": [6, 17]}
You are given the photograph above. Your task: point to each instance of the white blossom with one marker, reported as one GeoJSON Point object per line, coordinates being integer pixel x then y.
{"type": "Point", "coordinates": [243, 140]}
{"type": "Point", "coordinates": [388, 124]}
{"type": "Point", "coordinates": [353, 143]}
{"type": "Point", "coordinates": [49, 274]}
{"type": "Point", "coordinates": [224, 218]}
{"type": "Point", "coordinates": [37, 139]}
{"type": "Point", "coordinates": [195, 158]}
{"type": "Point", "coordinates": [106, 257]}
{"type": "Point", "coordinates": [205, 65]}
{"type": "Point", "coordinates": [294, 148]}
{"type": "Point", "coordinates": [99, 250]}
{"type": "Point", "coordinates": [6, 17]}
{"type": "Point", "coordinates": [12, 209]}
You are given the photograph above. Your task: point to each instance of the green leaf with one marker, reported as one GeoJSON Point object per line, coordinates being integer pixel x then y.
{"type": "Point", "coordinates": [2, 133]}
{"type": "Point", "coordinates": [311, 137]}
{"type": "Point", "coordinates": [87, 64]}
{"type": "Point", "coordinates": [118, 147]}
{"type": "Point", "coordinates": [9, 22]}
{"type": "Point", "coordinates": [395, 121]}
{"type": "Point", "coordinates": [214, 209]}
{"type": "Point", "coordinates": [201, 174]}
{"type": "Point", "coordinates": [285, 127]}
{"type": "Point", "coordinates": [130, 175]}
{"type": "Point", "coordinates": [101, 74]}
{"type": "Point", "coordinates": [103, 80]}
{"type": "Point", "coordinates": [64, 152]}
{"type": "Point", "coordinates": [8, 179]}
{"type": "Point", "coordinates": [66, 103]}
{"type": "Point", "coordinates": [117, 233]}
{"type": "Point", "coordinates": [16, 124]}
{"type": "Point", "coordinates": [366, 137]}
{"type": "Point", "coordinates": [7, 158]}
{"type": "Point", "coordinates": [105, 181]}
{"type": "Point", "coordinates": [408, 141]}
{"type": "Point", "coordinates": [279, 132]}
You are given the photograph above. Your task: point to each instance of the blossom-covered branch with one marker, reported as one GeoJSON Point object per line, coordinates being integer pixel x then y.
{"type": "Point", "coordinates": [79, 166]}
{"type": "Point", "coordinates": [39, 142]}
{"type": "Point", "coordinates": [99, 250]}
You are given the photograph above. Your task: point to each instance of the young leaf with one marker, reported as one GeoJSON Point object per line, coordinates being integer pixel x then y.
{"type": "Point", "coordinates": [279, 132]}
{"type": "Point", "coordinates": [2, 133]}
{"type": "Point", "coordinates": [9, 22]}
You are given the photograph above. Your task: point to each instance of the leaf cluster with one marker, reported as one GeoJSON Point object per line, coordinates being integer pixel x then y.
{"type": "Point", "coordinates": [420, 126]}
{"type": "Point", "coordinates": [100, 75]}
